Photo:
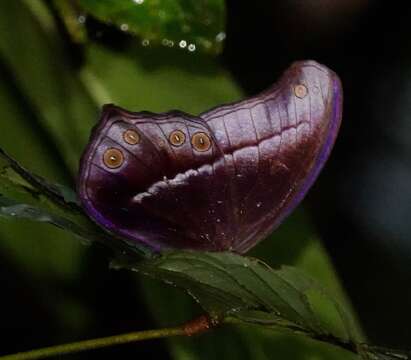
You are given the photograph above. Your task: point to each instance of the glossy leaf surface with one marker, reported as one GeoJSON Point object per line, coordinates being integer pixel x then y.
{"type": "Point", "coordinates": [189, 25]}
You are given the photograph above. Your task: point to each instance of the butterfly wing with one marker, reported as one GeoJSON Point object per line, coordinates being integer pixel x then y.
{"type": "Point", "coordinates": [275, 145]}
{"type": "Point", "coordinates": [220, 181]}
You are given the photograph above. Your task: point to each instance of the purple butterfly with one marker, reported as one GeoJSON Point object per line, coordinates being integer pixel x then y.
{"type": "Point", "coordinates": [223, 180]}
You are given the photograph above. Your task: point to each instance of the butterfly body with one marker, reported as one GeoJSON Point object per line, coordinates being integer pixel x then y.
{"type": "Point", "coordinates": [222, 180]}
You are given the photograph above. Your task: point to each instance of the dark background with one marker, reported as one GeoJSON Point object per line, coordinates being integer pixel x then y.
{"type": "Point", "coordinates": [362, 202]}
{"type": "Point", "coordinates": [360, 206]}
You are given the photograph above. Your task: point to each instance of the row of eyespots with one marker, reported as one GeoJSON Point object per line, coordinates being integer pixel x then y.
{"type": "Point", "coordinates": [114, 158]}
{"type": "Point", "coordinates": [200, 140]}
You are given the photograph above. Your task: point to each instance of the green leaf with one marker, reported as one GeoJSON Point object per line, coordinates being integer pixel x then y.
{"type": "Point", "coordinates": [243, 290]}
{"type": "Point", "coordinates": [294, 243]}
{"type": "Point", "coordinates": [186, 24]}
{"type": "Point", "coordinates": [24, 195]}
{"type": "Point", "coordinates": [232, 286]}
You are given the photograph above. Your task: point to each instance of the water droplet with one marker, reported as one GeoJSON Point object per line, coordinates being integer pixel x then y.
{"type": "Point", "coordinates": [81, 19]}
{"type": "Point", "coordinates": [167, 42]}
{"type": "Point", "coordinates": [145, 42]}
{"type": "Point", "coordinates": [124, 27]}
{"type": "Point", "coordinates": [259, 204]}
{"type": "Point", "coordinates": [138, 2]}
{"type": "Point", "coordinates": [13, 214]}
{"type": "Point", "coordinates": [183, 44]}
{"type": "Point", "coordinates": [219, 201]}
{"type": "Point", "coordinates": [191, 47]}
{"type": "Point", "coordinates": [218, 220]}
{"type": "Point", "coordinates": [220, 36]}
{"type": "Point", "coordinates": [165, 178]}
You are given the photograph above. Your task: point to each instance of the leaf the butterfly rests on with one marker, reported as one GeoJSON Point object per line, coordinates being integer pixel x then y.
{"type": "Point", "coordinates": [222, 180]}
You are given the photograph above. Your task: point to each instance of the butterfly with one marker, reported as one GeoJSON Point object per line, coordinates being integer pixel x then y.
{"type": "Point", "coordinates": [222, 180]}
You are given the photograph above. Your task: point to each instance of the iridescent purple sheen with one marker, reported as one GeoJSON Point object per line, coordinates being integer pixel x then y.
{"type": "Point", "coordinates": [265, 154]}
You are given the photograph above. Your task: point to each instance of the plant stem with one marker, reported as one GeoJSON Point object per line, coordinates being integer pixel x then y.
{"type": "Point", "coordinates": [190, 328]}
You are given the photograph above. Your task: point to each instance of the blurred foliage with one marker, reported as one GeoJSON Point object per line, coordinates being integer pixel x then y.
{"type": "Point", "coordinates": [48, 106]}
{"type": "Point", "coordinates": [45, 77]}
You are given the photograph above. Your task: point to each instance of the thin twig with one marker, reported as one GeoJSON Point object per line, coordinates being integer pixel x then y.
{"type": "Point", "coordinates": [190, 328]}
